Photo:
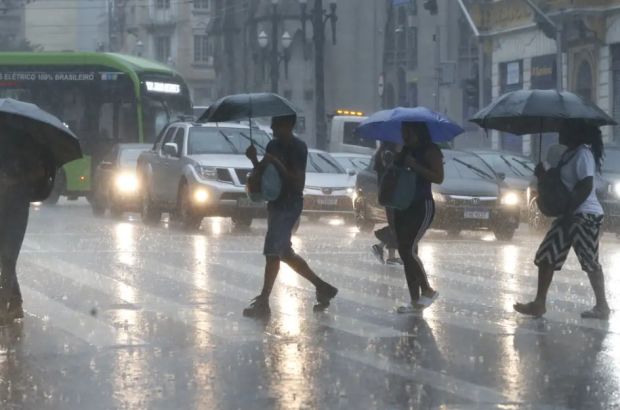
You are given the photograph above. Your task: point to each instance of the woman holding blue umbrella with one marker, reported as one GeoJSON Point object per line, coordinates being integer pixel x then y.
{"type": "Point", "coordinates": [420, 129]}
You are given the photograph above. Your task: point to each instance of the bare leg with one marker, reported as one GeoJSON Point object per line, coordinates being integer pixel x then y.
{"type": "Point", "coordinates": [601, 309]}
{"type": "Point", "coordinates": [539, 306]}
{"type": "Point", "coordinates": [272, 268]}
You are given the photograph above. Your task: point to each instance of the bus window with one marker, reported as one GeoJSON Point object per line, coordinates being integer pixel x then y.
{"type": "Point", "coordinates": [350, 137]}
{"type": "Point", "coordinates": [128, 123]}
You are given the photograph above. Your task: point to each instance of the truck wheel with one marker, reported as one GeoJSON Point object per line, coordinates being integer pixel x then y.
{"type": "Point", "coordinates": [504, 233]}
{"type": "Point", "coordinates": [241, 221]}
{"type": "Point", "coordinates": [98, 209]}
{"type": "Point", "coordinates": [184, 215]}
{"type": "Point", "coordinates": [116, 212]}
{"type": "Point", "coordinates": [149, 214]}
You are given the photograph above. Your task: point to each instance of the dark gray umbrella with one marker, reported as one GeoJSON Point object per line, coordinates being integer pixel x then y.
{"type": "Point", "coordinates": [43, 127]}
{"type": "Point", "coordinates": [244, 106]}
{"type": "Point", "coordinates": [538, 111]}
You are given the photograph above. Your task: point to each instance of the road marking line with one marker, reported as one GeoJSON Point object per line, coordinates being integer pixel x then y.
{"type": "Point", "coordinates": [199, 319]}
{"type": "Point", "coordinates": [439, 381]}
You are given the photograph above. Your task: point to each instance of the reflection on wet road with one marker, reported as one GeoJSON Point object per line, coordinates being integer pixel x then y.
{"type": "Point", "coordinates": [120, 316]}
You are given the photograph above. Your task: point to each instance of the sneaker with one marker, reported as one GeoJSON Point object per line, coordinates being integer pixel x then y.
{"type": "Point", "coordinates": [324, 295]}
{"type": "Point", "coordinates": [258, 308]}
{"type": "Point", "coordinates": [407, 309]}
{"type": "Point", "coordinates": [377, 251]}
{"type": "Point", "coordinates": [394, 262]}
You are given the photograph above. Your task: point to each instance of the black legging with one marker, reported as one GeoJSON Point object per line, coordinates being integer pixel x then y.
{"type": "Point", "coordinates": [410, 225]}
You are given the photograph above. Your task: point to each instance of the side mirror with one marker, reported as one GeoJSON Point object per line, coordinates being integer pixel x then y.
{"type": "Point", "coordinates": [351, 172]}
{"type": "Point", "coordinates": [106, 166]}
{"type": "Point", "coordinates": [501, 175]}
{"type": "Point", "coordinates": [170, 149]}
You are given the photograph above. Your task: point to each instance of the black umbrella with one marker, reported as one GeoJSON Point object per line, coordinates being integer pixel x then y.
{"type": "Point", "coordinates": [43, 127]}
{"type": "Point", "coordinates": [538, 111]}
{"type": "Point", "coordinates": [244, 106]}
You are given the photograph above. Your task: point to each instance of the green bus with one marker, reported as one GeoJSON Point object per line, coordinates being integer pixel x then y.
{"type": "Point", "coordinates": [104, 98]}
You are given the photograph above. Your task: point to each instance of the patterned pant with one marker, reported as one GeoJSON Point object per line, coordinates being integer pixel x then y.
{"type": "Point", "coordinates": [581, 234]}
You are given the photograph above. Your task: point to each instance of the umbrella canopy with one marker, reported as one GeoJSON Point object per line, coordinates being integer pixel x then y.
{"type": "Point", "coordinates": [243, 106]}
{"type": "Point", "coordinates": [538, 111]}
{"type": "Point", "coordinates": [386, 125]}
{"type": "Point", "coordinates": [43, 127]}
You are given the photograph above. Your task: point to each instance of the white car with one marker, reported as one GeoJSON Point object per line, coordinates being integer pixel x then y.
{"type": "Point", "coordinates": [329, 187]}
{"type": "Point", "coordinates": [350, 160]}
{"type": "Point", "coordinates": [199, 170]}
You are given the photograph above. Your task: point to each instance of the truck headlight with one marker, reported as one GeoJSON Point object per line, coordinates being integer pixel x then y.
{"type": "Point", "coordinates": [439, 197]}
{"type": "Point", "coordinates": [207, 173]}
{"type": "Point", "coordinates": [127, 182]}
{"type": "Point", "coordinates": [510, 198]}
{"type": "Point", "coordinates": [201, 195]}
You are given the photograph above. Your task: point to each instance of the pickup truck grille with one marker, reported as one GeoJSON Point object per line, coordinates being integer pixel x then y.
{"type": "Point", "coordinates": [242, 175]}
{"type": "Point", "coordinates": [223, 175]}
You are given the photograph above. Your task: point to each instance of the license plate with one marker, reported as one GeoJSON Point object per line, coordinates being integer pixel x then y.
{"type": "Point", "coordinates": [326, 200]}
{"type": "Point", "coordinates": [246, 203]}
{"type": "Point", "coordinates": [476, 214]}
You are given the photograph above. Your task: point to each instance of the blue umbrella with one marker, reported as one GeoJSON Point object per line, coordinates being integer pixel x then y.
{"type": "Point", "coordinates": [386, 125]}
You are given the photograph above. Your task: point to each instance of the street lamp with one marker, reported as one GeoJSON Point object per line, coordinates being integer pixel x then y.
{"type": "Point", "coordinates": [319, 17]}
{"type": "Point", "coordinates": [139, 48]}
{"type": "Point", "coordinates": [287, 41]}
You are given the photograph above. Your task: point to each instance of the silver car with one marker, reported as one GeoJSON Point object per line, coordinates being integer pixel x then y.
{"type": "Point", "coordinates": [199, 170]}
{"type": "Point", "coordinates": [329, 187]}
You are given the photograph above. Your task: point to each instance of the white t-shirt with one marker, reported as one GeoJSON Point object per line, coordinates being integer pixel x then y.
{"type": "Point", "coordinates": [579, 167]}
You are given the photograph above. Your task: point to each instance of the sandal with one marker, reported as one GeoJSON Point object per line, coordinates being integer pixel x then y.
{"type": "Point", "coordinates": [595, 313]}
{"type": "Point", "coordinates": [530, 309]}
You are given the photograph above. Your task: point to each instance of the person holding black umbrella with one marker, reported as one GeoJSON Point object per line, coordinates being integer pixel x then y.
{"type": "Point", "coordinates": [289, 155]}
{"type": "Point", "coordinates": [22, 163]}
{"type": "Point", "coordinates": [579, 227]}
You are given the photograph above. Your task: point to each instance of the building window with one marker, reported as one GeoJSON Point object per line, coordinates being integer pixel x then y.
{"type": "Point", "coordinates": [203, 5]}
{"type": "Point", "coordinates": [202, 49]}
{"type": "Point", "coordinates": [162, 48]}
{"type": "Point", "coordinates": [163, 4]}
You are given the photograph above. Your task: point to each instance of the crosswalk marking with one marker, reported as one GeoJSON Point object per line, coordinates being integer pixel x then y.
{"type": "Point", "coordinates": [240, 331]}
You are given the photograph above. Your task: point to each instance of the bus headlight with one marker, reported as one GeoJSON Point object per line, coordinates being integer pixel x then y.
{"type": "Point", "coordinates": [127, 182]}
{"type": "Point", "coordinates": [510, 198]}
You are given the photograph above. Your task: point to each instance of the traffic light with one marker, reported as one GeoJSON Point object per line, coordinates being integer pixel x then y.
{"type": "Point", "coordinates": [472, 91]}
{"type": "Point", "coordinates": [431, 6]}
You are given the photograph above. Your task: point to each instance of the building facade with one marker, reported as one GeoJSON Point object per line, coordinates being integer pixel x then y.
{"type": "Point", "coordinates": [523, 57]}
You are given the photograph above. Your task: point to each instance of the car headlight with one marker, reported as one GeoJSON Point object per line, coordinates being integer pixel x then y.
{"type": "Point", "coordinates": [127, 182]}
{"type": "Point", "coordinates": [439, 197]}
{"type": "Point", "coordinates": [207, 173]}
{"type": "Point", "coordinates": [510, 198]}
{"type": "Point", "coordinates": [350, 191]}
{"type": "Point", "coordinates": [616, 189]}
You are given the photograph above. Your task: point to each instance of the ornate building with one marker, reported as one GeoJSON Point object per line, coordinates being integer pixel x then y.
{"type": "Point", "coordinates": [524, 57]}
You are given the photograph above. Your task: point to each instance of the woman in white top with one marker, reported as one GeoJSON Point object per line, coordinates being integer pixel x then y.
{"type": "Point", "coordinates": [579, 228]}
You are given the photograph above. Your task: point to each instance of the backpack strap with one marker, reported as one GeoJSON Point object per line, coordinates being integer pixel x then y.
{"type": "Point", "coordinates": [567, 160]}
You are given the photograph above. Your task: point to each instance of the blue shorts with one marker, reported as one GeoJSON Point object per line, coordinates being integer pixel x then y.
{"type": "Point", "coordinates": [281, 220]}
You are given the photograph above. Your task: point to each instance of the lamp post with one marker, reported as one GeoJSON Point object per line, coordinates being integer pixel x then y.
{"type": "Point", "coordinates": [319, 17]}
{"type": "Point", "coordinates": [276, 57]}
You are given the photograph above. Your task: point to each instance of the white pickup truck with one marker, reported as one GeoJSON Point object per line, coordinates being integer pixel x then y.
{"type": "Point", "coordinates": [199, 170]}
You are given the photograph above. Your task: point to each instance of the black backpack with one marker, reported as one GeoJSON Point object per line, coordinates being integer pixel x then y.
{"type": "Point", "coordinates": [553, 195]}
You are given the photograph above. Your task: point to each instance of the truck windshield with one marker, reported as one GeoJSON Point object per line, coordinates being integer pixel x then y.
{"type": "Point", "coordinates": [221, 140]}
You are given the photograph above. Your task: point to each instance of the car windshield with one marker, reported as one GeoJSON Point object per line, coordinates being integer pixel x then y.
{"type": "Point", "coordinates": [510, 165]}
{"type": "Point", "coordinates": [611, 162]}
{"type": "Point", "coordinates": [221, 140]}
{"type": "Point", "coordinates": [129, 156]}
{"type": "Point", "coordinates": [467, 167]}
{"type": "Point", "coordinates": [358, 163]}
{"type": "Point", "coordinates": [322, 162]}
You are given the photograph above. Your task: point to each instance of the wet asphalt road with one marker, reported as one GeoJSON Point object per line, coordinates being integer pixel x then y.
{"type": "Point", "coordinates": [120, 316]}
